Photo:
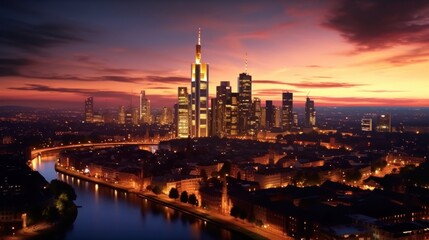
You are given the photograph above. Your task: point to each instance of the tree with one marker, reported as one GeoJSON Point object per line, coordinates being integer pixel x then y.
{"type": "Point", "coordinates": [184, 197]}
{"type": "Point", "coordinates": [156, 190]}
{"type": "Point", "coordinates": [174, 194]}
{"type": "Point", "coordinates": [226, 169]}
{"type": "Point", "coordinates": [193, 200]}
{"type": "Point", "coordinates": [203, 174]}
{"type": "Point", "coordinates": [235, 211]}
{"type": "Point", "coordinates": [378, 164]}
{"type": "Point", "coordinates": [243, 214]}
{"type": "Point", "coordinates": [312, 178]}
{"type": "Point", "coordinates": [251, 218]}
{"type": "Point", "coordinates": [298, 179]}
{"type": "Point", "coordinates": [50, 213]}
{"type": "Point", "coordinates": [58, 187]}
{"type": "Point", "coordinates": [353, 175]}
{"type": "Point", "coordinates": [259, 223]}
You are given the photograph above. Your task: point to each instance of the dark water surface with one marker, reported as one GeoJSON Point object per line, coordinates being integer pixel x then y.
{"type": "Point", "coordinates": [111, 214]}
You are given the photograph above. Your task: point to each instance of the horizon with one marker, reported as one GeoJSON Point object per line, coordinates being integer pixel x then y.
{"type": "Point", "coordinates": [339, 53]}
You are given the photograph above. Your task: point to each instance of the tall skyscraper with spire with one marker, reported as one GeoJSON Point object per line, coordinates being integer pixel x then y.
{"type": "Point", "coordinates": [244, 100]}
{"type": "Point", "coordinates": [145, 116]}
{"type": "Point", "coordinates": [310, 113]}
{"type": "Point", "coordinates": [199, 94]}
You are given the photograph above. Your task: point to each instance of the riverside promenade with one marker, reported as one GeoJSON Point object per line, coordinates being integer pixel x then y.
{"type": "Point", "coordinates": [224, 221]}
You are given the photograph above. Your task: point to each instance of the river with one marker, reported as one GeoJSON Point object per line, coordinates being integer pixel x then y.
{"type": "Point", "coordinates": [111, 214]}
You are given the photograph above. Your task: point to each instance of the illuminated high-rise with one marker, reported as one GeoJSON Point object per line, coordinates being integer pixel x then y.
{"type": "Point", "coordinates": [232, 115]}
{"type": "Point", "coordinates": [384, 123]}
{"type": "Point", "coordinates": [219, 116]}
{"type": "Point", "coordinates": [135, 115]}
{"type": "Point", "coordinates": [166, 116]}
{"type": "Point", "coordinates": [256, 118]}
{"type": "Point", "coordinates": [121, 115]}
{"type": "Point", "coordinates": [145, 115]}
{"type": "Point", "coordinates": [244, 101]}
{"type": "Point", "coordinates": [89, 109]}
{"type": "Point", "coordinates": [310, 113]}
{"type": "Point", "coordinates": [366, 124]}
{"type": "Point", "coordinates": [183, 113]}
{"type": "Point", "coordinates": [287, 111]}
{"type": "Point", "coordinates": [199, 94]}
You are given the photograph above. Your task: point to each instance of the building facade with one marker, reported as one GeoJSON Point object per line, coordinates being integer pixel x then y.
{"type": "Point", "coordinates": [310, 113]}
{"type": "Point", "coordinates": [270, 114]}
{"type": "Point", "coordinates": [89, 109]}
{"type": "Point", "coordinates": [287, 111]}
{"type": "Point", "coordinates": [183, 113]}
{"type": "Point", "coordinates": [219, 116]}
{"type": "Point", "coordinates": [145, 114]}
{"type": "Point", "coordinates": [199, 95]}
{"type": "Point", "coordinates": [384, 123]}
{"type": "Point", "coordinates": [244, 102]}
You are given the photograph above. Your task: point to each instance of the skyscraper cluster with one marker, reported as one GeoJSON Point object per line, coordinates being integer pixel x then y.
{"type": "Point", "coordinates": [232, 114]}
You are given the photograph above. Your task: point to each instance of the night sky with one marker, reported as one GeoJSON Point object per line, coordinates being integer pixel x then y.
{"type": "Point", "coordinates": [340, 53]}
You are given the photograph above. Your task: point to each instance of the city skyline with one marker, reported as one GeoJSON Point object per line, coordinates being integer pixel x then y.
{"type": "Point", "coordinates": [339, 53]}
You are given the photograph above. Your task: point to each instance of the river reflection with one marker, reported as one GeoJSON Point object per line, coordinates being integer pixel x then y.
{"type": "Point", "coordinates": [113, 214]}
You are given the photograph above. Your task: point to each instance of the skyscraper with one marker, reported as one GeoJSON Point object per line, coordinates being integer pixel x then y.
{"type": "Point", "coordinates": [366, 124]}
{"type": "Point", "coordinates": [287, 111]}
{"type": "Point", "coordinates": [310, 113]}
{"type": "Point", "coordinates": [89, 109]}
{"type": "Point", "coordinates": [121, 115]}
{"type": "Point", "coordinates": [244, 101]}
{"type": "Point", "coordinates": [232, 115]}
{"type": "Point", "coordinates": [220, 119]}
{"type": "Point", "coordinates": [145, 115]}
{"type": "Point", "coordinates": [135, 115]}
{"type": "Point", "coordinates": [183, 113]}
{"type": "Point", "coordinates": [166, 116]}
{"type": "Point", "coordinates": [199, 94]}
{"type": "Point", "coordinates": [384, 123]}
{"type": "Point", "coordinates": [255, 119]}
{"type": "Point", "coordinates": [269, 114]}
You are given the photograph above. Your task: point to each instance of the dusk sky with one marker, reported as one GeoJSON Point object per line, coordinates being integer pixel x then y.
{"type": "Point", "coordinates": [340, 53]}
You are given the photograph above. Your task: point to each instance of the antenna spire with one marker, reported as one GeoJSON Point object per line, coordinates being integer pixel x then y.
{"type": "Point", "coordinates": [199, 36]}
{"type": "Point", "coordinates": [245, 64]}
{"type": "Point", "coordinates": [198, 48]}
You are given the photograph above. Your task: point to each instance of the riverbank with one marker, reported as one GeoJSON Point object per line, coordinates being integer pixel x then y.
{"type": "Point", "coordinates": [33, 231]}
{"type": "Point", "coordinates": [223, 221]}
{"type": "Point", "coordinates": [92, 179]}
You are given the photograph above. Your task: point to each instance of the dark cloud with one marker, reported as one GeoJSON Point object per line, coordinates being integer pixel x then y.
{"type": "Point", "coordinates": [268, 82]}
{"type": "Point", "coordinates": [120, 79]}
{"type": "Point", "coordinates": [81, 91]}
{"type": "Point", "coordinates": [11, 66]}
{"type": "Point", "coordinates": [416, 55]}
{"type": "Point", "coordinates": [313, 66]}
{"type": "Point", "coordinates": [381, 91]}
{"type": "Point", "coordinates": [321, 77]}
{"type": "Point", "coordinates": [313, 84]}
{"type": "Point", "coordinates": [379, 24]}
{"type": "Point", "coordinates": [273, 92]}
{"type": "Point", "coordinates": [324, 85]}
{"type": "Point", "coordinates": [15, 62]}
{"type": "Point", "coordinates": [35, 37]}
{"type": "Point", "coordinates": [369, 101]}
{"type": "Point", "coordinates": [160, 80]}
